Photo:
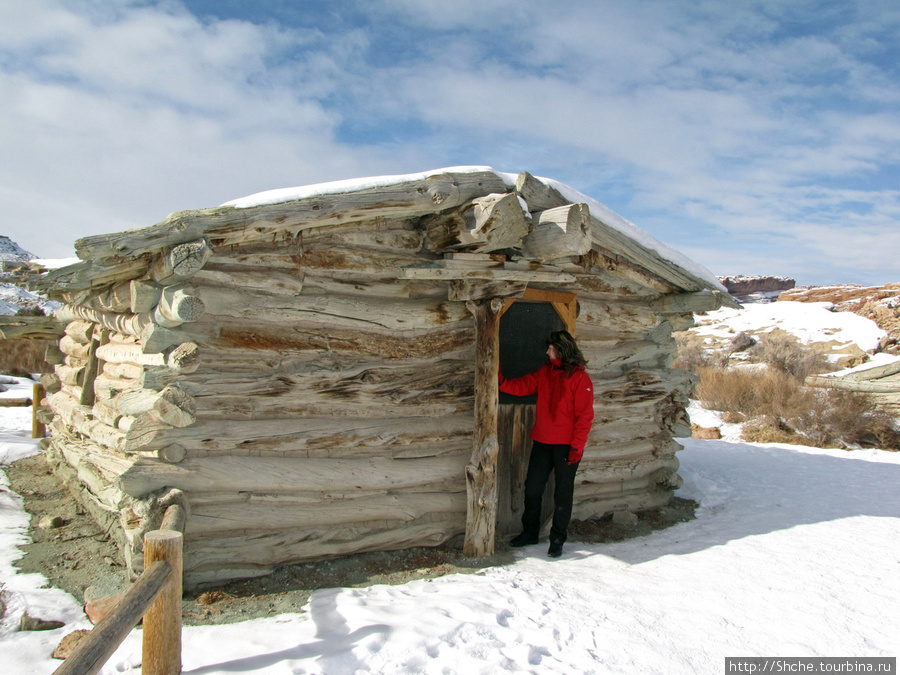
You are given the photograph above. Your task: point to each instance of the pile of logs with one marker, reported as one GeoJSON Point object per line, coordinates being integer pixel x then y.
{"type": "Point", "coordinates": [881, 383]}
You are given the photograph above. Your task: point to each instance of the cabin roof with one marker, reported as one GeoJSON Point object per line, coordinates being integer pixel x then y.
{"type": "Point", "coordinates": [265, 215]}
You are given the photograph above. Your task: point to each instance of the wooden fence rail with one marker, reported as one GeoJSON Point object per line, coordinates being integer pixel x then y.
{"type": "Point", "coordinates": [155, 596]}
{"type": "Point", "coordinates": [15, 402]}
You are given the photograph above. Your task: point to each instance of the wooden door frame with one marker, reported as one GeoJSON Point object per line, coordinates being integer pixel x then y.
{"type": "Point", "coordinates": [481, 471]}
{"type": "Point", "coordinates": [565, 304]}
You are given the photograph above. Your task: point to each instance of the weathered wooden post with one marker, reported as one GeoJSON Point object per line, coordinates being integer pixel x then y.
{"type": "Point", "coordinates": [481, 471]}
{"type": "Point", "coordinates": [162, 622]}
{"type": "Point", "coordinates": [38, 430]}
{"type": "Point", "coordinates": [92, 652]}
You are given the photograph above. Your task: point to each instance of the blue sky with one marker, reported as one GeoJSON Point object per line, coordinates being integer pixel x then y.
{"type": "Point", "coordinates": [755, 136]}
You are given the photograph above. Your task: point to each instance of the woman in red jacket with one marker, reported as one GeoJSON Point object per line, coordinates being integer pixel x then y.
{"type": "Point", "coordinates": [565, 412]}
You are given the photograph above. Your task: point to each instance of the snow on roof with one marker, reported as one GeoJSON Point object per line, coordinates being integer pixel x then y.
{"type": "Point", "coordinates": [282, 195]}
{"type": "Point", "coordinates": [598, 210]}
{"type": "Point", "coordinates": [612, 219]}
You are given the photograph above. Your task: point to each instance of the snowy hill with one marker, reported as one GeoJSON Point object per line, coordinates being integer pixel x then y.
{"type": "Point", "coordinates": [845, 337]}
{"type": "Point", "coordinates": [10, 250]}
{"type": "Point", "coordinates": [12, 297]}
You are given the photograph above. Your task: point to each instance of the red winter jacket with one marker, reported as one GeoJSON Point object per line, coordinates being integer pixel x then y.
{"type": "Point", "coordinates": [571, 422]}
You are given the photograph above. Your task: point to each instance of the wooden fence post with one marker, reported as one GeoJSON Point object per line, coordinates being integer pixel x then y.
{"type": "Point", "coordinates": [38, 430]}
{"type": "Point", "coordinates": [92, 652]}
{"type": "Point", "coordinates": [162, 622]}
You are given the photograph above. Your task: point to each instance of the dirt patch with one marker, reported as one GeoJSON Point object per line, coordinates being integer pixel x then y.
{"type": "Point", "coordinates": [76, 552]}
{"type": "Point", "coordinates": [78, 556]}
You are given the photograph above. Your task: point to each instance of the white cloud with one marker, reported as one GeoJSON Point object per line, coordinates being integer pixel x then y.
{"type": "Point", "coordinates": [755, 115]}
{"type": "Point", "coordinates": [114, 120]}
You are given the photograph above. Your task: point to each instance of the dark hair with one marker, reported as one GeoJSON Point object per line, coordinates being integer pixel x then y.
{"type": "Point", "coordinates": [567, 350]}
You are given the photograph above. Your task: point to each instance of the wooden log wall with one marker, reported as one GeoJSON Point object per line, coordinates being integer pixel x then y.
{"type": "Point", "coordinates": [339, 399]}
{"type": "Point", "coordinates": [302, 394]}
{"type": "Point", "coordinates": [312, 393]}
{"type": "Point", "coordinates": [629, 462]}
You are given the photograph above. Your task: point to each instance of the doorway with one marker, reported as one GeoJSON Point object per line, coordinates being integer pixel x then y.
{"type": "Point", "coordinates": [523, 331]}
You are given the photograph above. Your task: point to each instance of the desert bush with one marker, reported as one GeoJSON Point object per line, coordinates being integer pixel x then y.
{"type": "Point", "coordinates": [31, 311]}
{"type": "Point", "coordinates": [724, 389]}
{"type": "Point", "coordinates": [884, 432]}
{"type": "Point", "coordinates": [769, 430]}
{"type": "Point", "coordinates": [751, 392]}
{"type": "Point", "coordinates": [782, 352]}
{"type": "Point", "coordinates": [22, 357]}
{"type": "Point", "coordinates": [780, 409]}
{"type": "Point", "coordinates": [838, 418]}
{"type": "Point", "coordinates": [692, 353]}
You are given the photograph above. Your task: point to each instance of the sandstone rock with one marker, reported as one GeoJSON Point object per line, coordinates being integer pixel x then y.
{"type": "Point", "coordinates": [98, 607]}
{"type": "Point", "coordinates": [32, 623]}
{"type": "Point", "coordinates": [624, 518]}
{"type": "Point", "coordinates": [742, 342]}
{"type": "Point", "coordinates": [104, 587]}
{"type": "Point", "coordinates": [741, 285]}
{"type": "Point", "coordinates": [709, 433]}
{"type": "Point", "coordinates": [68, 644]}
{"type": "Point", "coordinates": [845, 354]}
{"type": "Point", "coordinates": [49, 522]}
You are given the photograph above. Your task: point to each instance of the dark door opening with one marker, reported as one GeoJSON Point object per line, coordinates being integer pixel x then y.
{"type": "Point", "coordinates": [524, 328]}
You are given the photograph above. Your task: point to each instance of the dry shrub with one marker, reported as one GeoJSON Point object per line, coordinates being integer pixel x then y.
{"type": "Point", "coordinates": [733, 417]}
{"type": "Point", "coordinates": [31, 311]}
{"type": "Point", "coordinates": [838, 417]}
{"type": "Point", "coordinates": [781, 351]}
{"type": "Point", "coordinates": [769, 430]}
{"type": "Point", "coordinates": [724, 389]}
{"type": "Point", "coordinates": [782, 410]}
{"type": "Point", "coordinates": [22, 357]}
{"type": "Point", "coordinates": [750, 392]}
{"type": "Point", "coordinates": [884, 431]}
{"type": "Point", "coordinates": [692, 353]}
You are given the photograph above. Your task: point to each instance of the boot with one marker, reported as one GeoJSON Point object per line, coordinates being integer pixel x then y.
{"type": "Point", "coordinates": [555, 549]}
{"type": "Point", "coordinates": [524, 539]}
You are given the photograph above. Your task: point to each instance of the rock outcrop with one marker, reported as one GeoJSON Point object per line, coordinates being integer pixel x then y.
{"type": "Point", "coordinates": [756, 288]}
{"type": "Point", "coordinates": [10, 250]}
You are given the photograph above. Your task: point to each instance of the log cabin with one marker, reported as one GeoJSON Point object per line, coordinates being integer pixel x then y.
{"type": "Point", "coordinates": [312, 372]}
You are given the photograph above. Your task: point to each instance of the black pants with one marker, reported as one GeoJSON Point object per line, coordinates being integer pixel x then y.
{"type": "Point", "coordinates": [544, 459]}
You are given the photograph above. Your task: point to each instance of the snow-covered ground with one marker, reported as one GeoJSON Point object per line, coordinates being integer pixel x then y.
{"type": "Point", "coordinates": [807, 321]}
{"type": "Point", "coordinates": [793, 553]}
{"type": "Point", "coordinates": [844, 337]}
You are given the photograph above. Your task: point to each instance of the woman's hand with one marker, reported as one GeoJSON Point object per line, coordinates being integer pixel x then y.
{"type": "Point", "coordinates": [574, 455]}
